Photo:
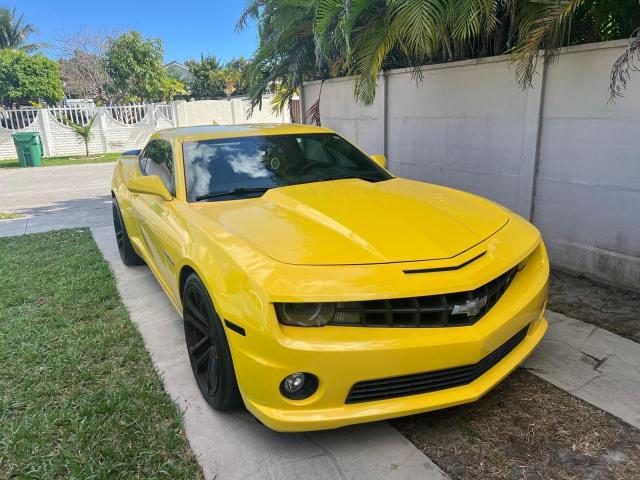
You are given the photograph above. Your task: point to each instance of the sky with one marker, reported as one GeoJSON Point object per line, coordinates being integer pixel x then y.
{"type": "Point", "coordinates": [187, 28]}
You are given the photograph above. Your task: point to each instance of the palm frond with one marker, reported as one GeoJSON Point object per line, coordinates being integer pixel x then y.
{"type": "Point", "coordinates": [546, 31]}
{"type": "Point", "coordinates": [14, 31]}
{"type": "Point", "coordinates": [83, 132]}
{"type": "Point", "coordinates": [628, 62]}
{"type": "Point", "coordinates": [373, 44]}
{"type": "Point", "coordinates": [250, 10]}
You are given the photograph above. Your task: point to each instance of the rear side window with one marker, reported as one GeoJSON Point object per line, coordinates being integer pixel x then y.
{"type": "Point", "coordinates": [157, 159]}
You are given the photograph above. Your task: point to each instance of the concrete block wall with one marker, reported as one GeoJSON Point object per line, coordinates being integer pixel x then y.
{"type": "Point", "coordinates": [226, 112]}
{"type": "Point", "coordinates": [588, 184]}
{"type": "Point", "coordinates": [558, 154]}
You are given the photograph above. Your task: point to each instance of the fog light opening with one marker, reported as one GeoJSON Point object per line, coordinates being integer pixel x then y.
{"type": "Point", "coordinates": [299, 385]}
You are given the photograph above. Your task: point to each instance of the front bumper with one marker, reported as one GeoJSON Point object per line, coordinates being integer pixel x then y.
{"type": "Point", "coordinates": [343, 356]}
{"type": "Point", "coordinates": [313, 417]}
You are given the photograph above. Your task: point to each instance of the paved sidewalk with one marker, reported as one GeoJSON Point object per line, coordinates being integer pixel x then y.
{"type": "Point", "coordinates": [592, 364]}
{"type": "Point", "coordinates": [234, 445]}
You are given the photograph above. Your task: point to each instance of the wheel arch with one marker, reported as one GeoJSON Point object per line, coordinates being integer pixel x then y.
{"type": "Point", "coordinates": [185, 271]}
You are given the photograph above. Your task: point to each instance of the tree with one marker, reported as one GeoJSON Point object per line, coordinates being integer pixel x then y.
{"type": "Point", "coordinates": [28, 79]}
{"type": "Point", "coordinates": [286, 53]}
{"type": "Point", "coordinates": [172, 88]}
{"type": "Point", "coordinates": [303, 39]}
{"type": "Point", "coordinates": [206, 83]}
{"type": "Point", "coordinates": [135, 67]}
{"type": "Point", "coordinates": [239, 65]}
{"type": "Point", "coordinates": [212, 79]}
{"type": "Point", "coordinates": [231, 79]}
{"type": "Point", "coordinates": [83, 132]}
{"type": "Point", "coordinates": [83, 66]}
{"type": "Point", "coordinates": [14, 32]}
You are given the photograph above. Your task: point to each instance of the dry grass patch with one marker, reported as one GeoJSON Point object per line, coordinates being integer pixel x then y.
{"type": "Point", "coordinates": [526, 429]}
{"type": "Point", "coordinates": [612, 308]}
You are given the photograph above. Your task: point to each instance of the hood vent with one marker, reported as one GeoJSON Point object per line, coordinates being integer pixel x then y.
{"type": "Point", "coordinates": [444, 269]}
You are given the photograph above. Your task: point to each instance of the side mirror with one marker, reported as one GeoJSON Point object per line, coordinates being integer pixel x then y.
{"type": "Point", "coordinates": [380, 160]}
{"type": "Point", "coordinates": [149, 185]}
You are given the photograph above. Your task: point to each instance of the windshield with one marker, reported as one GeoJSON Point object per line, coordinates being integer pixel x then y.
{"type": "Point", "coordinates": [248, 166]}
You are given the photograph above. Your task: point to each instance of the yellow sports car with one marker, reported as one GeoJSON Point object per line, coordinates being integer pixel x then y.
{"type": "Point", "coordinates": [317, 288]}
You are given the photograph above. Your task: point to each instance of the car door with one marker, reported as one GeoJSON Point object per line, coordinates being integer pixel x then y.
{"type": "Point", "coordinates": [156, 216]}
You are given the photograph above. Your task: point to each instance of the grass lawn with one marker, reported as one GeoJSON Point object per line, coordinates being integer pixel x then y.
{"type": "Point", "coordinates": [10, 216]}
{"type": "Point", "coordinates": [56, 161]}
{"type": "Point", "coordinates": [79, 397]}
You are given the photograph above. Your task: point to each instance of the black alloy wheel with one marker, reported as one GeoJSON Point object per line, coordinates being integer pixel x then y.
{"type": "Point", "coordinates": [207, 346]}
{"type": "Point", "coordinates": [125, 248]}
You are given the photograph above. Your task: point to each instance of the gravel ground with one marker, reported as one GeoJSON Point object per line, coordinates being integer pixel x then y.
{"type": "Point", "coordinates": [526, 429]}
{"type": "Point", "coordinates": [611, 308]}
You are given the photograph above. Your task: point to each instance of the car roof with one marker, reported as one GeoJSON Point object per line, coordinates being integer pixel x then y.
{"type": "Point", "coordinates": [210, 132]}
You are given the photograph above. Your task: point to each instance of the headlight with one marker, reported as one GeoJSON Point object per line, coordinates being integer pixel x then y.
{"type": "Point", "coordinates": [305, 314]}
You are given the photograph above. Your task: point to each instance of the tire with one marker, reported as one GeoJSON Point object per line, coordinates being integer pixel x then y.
{"type": "Point", "coordinates": [127, 253]}
{"type": "Point", "coordinates": [208, 348]}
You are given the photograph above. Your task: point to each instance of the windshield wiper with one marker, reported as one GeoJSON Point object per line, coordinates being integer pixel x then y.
{"type": "Point", "coordinates": [233, 192]}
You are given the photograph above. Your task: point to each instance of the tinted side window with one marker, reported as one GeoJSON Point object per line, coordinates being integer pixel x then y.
{"type": "Point", "coordinates": [157, 159]}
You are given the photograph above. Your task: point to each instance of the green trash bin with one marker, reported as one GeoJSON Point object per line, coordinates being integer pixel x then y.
{"type": "Point", "coordinates": [29, 148]}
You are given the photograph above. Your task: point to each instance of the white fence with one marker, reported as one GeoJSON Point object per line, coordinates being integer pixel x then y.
{"type": "Point", "coordinates": [115, 128]}
{"type": "Point", "coordinates": [559, 154]}
{"type": "Point", "coordinates": [121, 127]}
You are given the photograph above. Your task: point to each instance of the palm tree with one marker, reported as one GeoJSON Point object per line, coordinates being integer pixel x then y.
{"type": "Point", "coordinates": [305, 39]}
{"type": "Point", "coordinates": [14, 32]}
{"type": "Point", "coordinates": [82, 132]}
{"type": "Point", "coordinates": [286, 51]}
{"type": "Point", "coordinates": [418, 31]}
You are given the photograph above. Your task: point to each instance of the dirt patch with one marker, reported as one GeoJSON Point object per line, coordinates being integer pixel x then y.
{"type": "Point", "coordinates": [611, 308]}
{"type": "Point", "coordinates": [526, 429]}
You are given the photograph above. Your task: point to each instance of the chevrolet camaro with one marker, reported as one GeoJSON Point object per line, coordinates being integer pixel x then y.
{"type": "Point", "coordinates": [318, 289]}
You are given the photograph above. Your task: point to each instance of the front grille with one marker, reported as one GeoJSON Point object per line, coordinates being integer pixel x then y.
{"type": "Point", "coordinates": [447, 310]}
{"type": "Point", "coordinates": [393, 387]}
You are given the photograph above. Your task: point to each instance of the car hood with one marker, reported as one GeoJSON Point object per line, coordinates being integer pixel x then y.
{"type": "Point", "coordinates": [352, 221]}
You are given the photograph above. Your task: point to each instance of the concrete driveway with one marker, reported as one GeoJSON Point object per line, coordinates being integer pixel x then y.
{"type": "Point", "coordinates": [56, 197]}
{"type": "Point", "coordinates": [228, 445]}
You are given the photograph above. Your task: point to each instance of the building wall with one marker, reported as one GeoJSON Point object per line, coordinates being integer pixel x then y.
{"type": "Point", "coordinates": [558, 153]}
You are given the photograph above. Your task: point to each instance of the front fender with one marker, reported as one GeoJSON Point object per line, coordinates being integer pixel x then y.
{"type": "Point", "coordinates": [126, 168]}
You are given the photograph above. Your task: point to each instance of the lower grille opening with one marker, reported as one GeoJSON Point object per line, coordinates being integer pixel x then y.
{"type": "Point", "coordinates": [392, 387]}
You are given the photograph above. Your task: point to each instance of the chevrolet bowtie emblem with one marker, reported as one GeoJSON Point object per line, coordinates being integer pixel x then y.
{"type": "Point", "coordinates": [470, 307]}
